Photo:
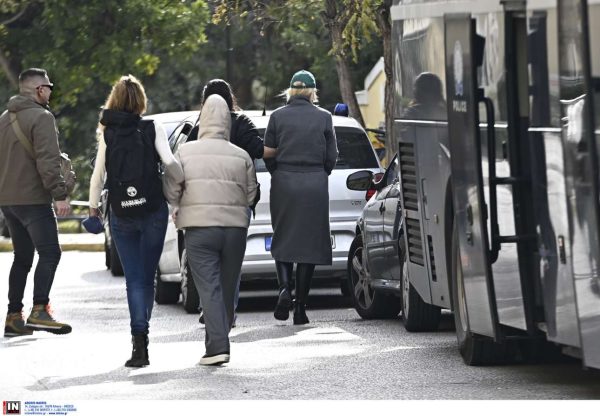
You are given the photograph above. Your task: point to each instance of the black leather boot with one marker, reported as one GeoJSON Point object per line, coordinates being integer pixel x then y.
{"type": "Point", "coordinates": [284, 302]}
{"type": "Point", "coordinates": [304, 273]}
{"type": "Point", "coordinates": [139, 353]}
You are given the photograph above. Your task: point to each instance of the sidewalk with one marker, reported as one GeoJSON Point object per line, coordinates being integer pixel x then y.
{"type": "Point", "coordinates": [68, 242]}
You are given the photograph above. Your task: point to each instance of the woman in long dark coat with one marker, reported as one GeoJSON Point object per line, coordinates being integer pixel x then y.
{"type": "Point", "coordinates": [307, 151]}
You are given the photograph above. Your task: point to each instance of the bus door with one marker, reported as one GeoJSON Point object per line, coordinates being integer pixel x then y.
{"type": "Point", "coordinates": [470, 211]}
{"type": "Point", "coordinates": [549, 173]}
{"type": "Point", "coordinates": [580, 153]}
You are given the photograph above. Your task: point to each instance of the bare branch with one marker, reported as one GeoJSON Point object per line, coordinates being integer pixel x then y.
{"type": "Point", "coordinates": [15, 17]}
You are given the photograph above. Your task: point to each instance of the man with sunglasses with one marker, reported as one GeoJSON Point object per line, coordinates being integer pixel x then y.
{"type": "Point", "coordinates": [30, 182]}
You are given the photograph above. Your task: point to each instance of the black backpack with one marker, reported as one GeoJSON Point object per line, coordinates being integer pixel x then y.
{"type": "Point", "coordinates": [133, 169]}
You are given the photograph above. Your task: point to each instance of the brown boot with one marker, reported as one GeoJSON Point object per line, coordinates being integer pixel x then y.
{"type": "Point", "coordinates": [14, 326]}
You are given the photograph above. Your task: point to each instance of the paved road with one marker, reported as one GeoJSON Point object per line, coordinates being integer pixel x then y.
{"type": "Point", "coordinates": [337, 356]}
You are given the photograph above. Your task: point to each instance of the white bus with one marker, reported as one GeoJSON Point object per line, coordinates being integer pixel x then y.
{"type": "Point", "coordinates": [500, 192]}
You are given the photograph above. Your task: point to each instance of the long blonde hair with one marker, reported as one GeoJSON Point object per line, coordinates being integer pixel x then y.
{"type": "Point", "coordinates": [127, 95]}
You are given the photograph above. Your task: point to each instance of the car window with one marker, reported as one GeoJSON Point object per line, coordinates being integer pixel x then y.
{"type": "Point", "coordinates": [173, 130]}
{"type": "Point", "coordinates": [354, 147]}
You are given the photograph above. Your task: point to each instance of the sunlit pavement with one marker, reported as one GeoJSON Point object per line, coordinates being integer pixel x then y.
{"type": "Point", "coordinates": [336, 356]}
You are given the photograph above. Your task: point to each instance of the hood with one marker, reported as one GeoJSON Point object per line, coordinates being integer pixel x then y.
{"type": "Point", "coordinates": [20, 102]}
{"type": "Point", "coordinates": [215, 119]}
{"type": "Point", "coordinates": [112, 118]}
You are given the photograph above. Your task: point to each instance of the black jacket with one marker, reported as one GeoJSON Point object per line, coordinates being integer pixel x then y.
{"type": "Point", "coordinates": [243, 134]}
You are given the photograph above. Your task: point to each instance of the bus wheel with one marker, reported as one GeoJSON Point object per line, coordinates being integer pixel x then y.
{"type": "Point", "coordinates": [417, 315]}
{"type": "Point", "coordinates": [368, 302]}
{"type": "Point", "coordinates": [475, 349]}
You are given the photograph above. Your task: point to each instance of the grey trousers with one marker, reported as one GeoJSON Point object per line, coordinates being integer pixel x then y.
{"type": "Point", "coordinates": [215, 256]}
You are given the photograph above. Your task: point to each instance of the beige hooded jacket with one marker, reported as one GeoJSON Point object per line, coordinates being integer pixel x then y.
{"type": "Point", "coordinates": [219, 177]}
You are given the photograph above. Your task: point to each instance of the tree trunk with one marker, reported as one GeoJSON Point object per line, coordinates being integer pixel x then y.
{"type": "Point", "coordinates": [345, 78]}
{"type": "Point", "coordinates": [9, 70]}
{"type": "Point", "coordinates": [335, 24]}
{"type": "Point", "coordinates": [385, 26]}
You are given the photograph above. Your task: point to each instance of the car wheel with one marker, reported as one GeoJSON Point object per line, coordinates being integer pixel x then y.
{"type": "Point", "coordinates": [417, 315]}
{"type": "Point", "coordinates": [116, 268]}
{"type": "Point", "coordinates": [189, 293]}
{"type": "Point", "coordinates": [368, 302]}
{"type": "Point", "coordinates": [3, 226]}
{"type": "Point", "coordinates": [345, 287]}
{"type": "Point", "coordinates": [474, 349]}
{"type": "Point", "coordinates": [165, 293]}
{"type": "Point", "coordinates": [106, 255]}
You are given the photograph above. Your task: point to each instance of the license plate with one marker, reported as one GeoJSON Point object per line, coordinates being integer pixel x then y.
{"type": "Point", "coordinates": [269, 239]}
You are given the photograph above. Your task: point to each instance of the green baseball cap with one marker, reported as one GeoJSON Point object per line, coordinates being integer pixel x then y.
{"type": "Point", "coordinates": [306, 78]}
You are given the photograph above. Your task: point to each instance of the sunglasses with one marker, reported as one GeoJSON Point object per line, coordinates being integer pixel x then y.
{"type": "Point", "coordinates": [46, 85]}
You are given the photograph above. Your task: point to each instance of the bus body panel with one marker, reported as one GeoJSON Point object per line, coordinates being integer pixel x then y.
{"type": "Point", "coordinates": [581, 159]}
{"type": "Point", "coordinates": [554, 245]}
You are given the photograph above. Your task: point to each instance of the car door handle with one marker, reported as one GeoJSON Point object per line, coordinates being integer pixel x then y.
{"type": "Point", "coordinates": [382, 208]}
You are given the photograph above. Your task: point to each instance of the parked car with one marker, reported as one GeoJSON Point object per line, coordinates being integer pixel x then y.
{"type": "Point", "coordinates": [376, 260]}
{"type": "Point", "coordinates": [356, 153]}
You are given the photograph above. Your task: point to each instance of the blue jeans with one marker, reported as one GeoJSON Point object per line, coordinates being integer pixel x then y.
{"type": "Point", "coordinates": [139, 243]}
{"type": "Point", "coordinates": [32, 227]}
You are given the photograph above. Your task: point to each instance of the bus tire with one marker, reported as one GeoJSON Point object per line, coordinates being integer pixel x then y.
{"type": "Point", "coordinates": [368, 302]}
{"type": "Point", "coordinates": [417, 315]}
{"type": "Point", "coordinates": [476, 350]}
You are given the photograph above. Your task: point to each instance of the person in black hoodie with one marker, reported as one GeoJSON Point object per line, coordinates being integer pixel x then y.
{"type": "Point", "coordinates": [243, 133]}
{"type": "Point", "coordinates": [129, 150]}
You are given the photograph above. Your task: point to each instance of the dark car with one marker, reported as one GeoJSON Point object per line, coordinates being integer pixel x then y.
{"type": "Point", "coordinates": [376, 261]}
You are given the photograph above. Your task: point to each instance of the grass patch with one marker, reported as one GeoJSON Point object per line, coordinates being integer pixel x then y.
{"type": "Point", "coordinates": [69, 227]}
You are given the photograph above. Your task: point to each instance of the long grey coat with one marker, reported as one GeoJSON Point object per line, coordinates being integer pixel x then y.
{"type": "Point", "coordinates": [306, 154]}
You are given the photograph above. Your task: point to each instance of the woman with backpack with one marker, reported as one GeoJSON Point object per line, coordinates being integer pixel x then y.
{"type": "Point", "coordinates": [243, 134]}
{"type": "Point", "coordinates": [130, 152]}
{"type": "Point", "coordinates": [212, 206]}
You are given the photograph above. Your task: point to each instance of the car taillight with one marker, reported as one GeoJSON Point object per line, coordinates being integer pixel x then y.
{"type": "Point", "coordinates": [371, 191]}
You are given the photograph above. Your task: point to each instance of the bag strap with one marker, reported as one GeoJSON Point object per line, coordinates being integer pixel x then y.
{"type": "Point", "coordinates": [14, 122]}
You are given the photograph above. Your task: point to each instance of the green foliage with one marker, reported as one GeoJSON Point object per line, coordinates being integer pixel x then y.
{"type": "Point", "coordinates": [174, 49]}
{"type": "Point", "coordinates": [87, 45]}
{"type": "Point", "coordinates": [361, 24]}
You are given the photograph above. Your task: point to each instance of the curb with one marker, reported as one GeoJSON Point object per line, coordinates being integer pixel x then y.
{"type": "Point", "coordinates": [8, 247]}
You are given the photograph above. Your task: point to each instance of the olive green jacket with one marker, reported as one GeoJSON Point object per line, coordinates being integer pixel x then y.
{"type": "Point", "coordinates": [25, 180]}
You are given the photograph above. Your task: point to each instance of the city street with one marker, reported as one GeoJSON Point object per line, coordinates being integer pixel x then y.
{"type": "Point", "coordinates": [336, 356]}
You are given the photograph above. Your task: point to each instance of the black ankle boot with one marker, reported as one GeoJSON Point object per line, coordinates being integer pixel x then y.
{"type": "Point", "coordinates": [284, 302]}
{"type": "Point", "coordinates": [139, 353]}
{"type": "Point", "coordinates": [300, 317]}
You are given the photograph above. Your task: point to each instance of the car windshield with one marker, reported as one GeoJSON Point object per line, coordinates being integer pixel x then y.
{"type": "Point", "coordinates": [354, 147]}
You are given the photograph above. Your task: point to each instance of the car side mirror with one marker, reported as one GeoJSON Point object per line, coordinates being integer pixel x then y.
{"type": "Point", "coordinates": [360, 181]}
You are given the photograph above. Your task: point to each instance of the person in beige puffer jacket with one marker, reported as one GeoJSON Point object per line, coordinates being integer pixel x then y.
{"type": "Point", "coordinates": [211, 204]}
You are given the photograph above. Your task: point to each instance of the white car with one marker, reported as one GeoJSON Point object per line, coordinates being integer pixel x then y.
{"type": "Point", "coordinates": [356, 153]}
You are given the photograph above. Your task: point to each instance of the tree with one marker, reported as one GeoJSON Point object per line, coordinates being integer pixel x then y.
{"type": "Point", "coordinates": [370, 17]}
{"type": "Point", "coordinates": [334, 15]}
{"type": "Point", "coordinates": [86, 46]}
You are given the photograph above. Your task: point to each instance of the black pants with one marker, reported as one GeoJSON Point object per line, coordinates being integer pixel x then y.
{"type": "Point", "coordinates": [32, 227]}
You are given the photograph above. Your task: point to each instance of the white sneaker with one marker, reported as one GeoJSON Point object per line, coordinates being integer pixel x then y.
{"type": "Point", "coordinates": [216, 359]}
